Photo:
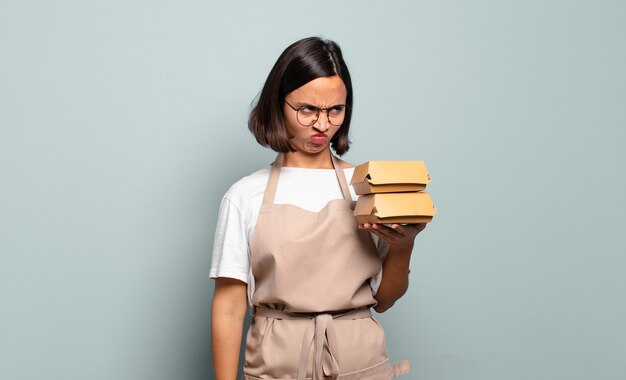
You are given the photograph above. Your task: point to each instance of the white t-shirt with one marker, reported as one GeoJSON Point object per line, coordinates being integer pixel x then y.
{"type": "Point", "coordinates": [310, 189]}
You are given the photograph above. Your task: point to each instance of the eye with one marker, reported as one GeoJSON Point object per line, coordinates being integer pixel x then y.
{"type": "Point", "coordinates": [308, 110]}
{"type": "Point", "coordinates": [336, 110]}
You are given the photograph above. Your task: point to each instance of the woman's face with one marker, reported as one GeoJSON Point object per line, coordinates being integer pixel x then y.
{"type": "Point", "coordinates": [324, 92]}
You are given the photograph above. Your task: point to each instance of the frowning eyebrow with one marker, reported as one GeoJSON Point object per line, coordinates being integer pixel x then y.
{"type": "Point", "coordinates": [300, 105]}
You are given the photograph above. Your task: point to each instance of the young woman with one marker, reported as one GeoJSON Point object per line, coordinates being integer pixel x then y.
{"type": "Point", "coordinates": [287, 243]}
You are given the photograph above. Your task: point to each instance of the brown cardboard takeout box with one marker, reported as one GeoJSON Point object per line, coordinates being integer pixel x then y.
{"type": "Point", "coordinates": [389, 177]}
{"type": "Point", "coordinates": [409, 208]}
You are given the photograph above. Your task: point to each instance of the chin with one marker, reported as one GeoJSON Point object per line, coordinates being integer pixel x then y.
{"type": "Point", "coordinates": [315, 149]}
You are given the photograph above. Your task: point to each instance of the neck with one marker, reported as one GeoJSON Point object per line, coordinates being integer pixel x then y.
{"type": "Point", "coordinates": [321, 160]}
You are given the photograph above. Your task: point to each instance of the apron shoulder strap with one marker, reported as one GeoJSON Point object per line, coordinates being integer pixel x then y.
{"type": "Point", "coordinates": [272, 181]}
{"type": "Point", "coordinates": [341, 177]}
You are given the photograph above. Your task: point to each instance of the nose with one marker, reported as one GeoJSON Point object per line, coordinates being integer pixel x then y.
{"type": "Point", "coordinates": [322, 123]}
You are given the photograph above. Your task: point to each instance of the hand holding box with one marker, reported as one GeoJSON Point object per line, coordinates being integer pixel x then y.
{"type": "Point", "coordinates": [391, 192]}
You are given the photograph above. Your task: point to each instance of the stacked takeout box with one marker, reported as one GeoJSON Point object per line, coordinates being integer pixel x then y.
{"type": "Point", "coordinates": [392, 192]}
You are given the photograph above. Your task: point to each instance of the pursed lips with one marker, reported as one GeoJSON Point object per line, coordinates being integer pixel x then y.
{"type": "Point", "coordinates": [319, 138]}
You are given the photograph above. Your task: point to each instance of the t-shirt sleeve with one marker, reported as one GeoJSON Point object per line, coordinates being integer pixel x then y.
{"type": "Point", "coordinates": [383, 249]}
{"type": "Point", "coordinates": [230, 245]}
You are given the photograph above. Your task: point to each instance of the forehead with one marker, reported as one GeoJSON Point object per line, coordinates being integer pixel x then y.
{"type": "Point", "coordinates": [322, 92]}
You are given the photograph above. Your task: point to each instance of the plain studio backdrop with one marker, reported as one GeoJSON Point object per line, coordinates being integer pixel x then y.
{"type": "Point", "coordinates": [122, 123]}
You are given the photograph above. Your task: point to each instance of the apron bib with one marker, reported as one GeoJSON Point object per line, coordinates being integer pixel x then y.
{"type": "Point", "coordinates": [312, 294]}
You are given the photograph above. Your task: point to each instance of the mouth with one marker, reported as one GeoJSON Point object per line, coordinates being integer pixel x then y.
{"type": "Point", "coordinates": [319, 138]}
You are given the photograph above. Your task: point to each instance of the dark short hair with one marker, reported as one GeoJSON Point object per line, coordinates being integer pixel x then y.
{"type": "Point", "coordinates": [302, 62]}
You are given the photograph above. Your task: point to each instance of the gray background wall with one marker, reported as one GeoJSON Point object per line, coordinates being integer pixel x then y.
{"type": "Point", "coordinates": [123, 122]}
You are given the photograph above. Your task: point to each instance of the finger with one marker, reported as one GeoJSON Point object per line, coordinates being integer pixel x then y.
{"type": "Point", "coordinates": [417, 227]}
{"type": "Point", "coordinates": [376, 231]}
{"type": "Point", "coordinates": [399, 228]}
{"type": "Point", "coordinates": [420, 227]}
{"type": "Point", "coordinates": [366, 226]}
{"type": "Point", "coordinates": [385, 231]}
{"type": "Point", "coordinates": [406, 230]}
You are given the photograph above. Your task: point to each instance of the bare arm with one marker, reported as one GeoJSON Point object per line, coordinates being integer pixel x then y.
{"type": "Point", "coordinates": [228, 313]}
{"type": "Point", "coordinates": [395, 279]}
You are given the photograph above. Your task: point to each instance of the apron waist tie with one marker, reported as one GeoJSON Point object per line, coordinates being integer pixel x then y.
{"type": "Point", "coordinates": [321, 335]}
